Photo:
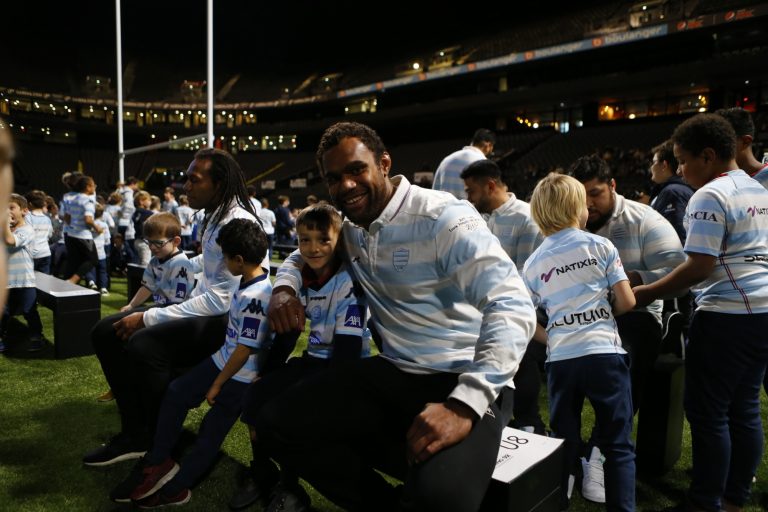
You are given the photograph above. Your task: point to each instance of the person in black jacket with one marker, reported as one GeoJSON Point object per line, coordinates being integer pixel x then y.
{"type": "Point", "coordinates": [670, 193]}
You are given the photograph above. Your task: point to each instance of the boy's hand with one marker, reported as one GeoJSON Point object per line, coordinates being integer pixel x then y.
{"type": "Point", "coordinates": [212, 393]}
{"type": "Point", "coordinates": [642, 296]}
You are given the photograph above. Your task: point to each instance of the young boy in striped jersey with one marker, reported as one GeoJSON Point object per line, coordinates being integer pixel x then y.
{"type": "Point", "coordinates": [170, 276]}
{"type": "Point", "coordinates": [22, 295]}
{"type": "Point", "coordinates": [573, 275]}
{"type": "Point", "coordinates": [41, 223]}
{"type": "Point", "coordinates": [221, 380]}
{"type": "Point", "coordinates": [727, 267]}
{"type": "Point", "coordinates": [337, 314]}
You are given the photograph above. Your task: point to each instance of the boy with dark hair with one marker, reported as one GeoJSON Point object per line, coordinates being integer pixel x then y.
{"type": "Point", "coordinates": [41, 223]}
{"type": "Point", "coordinates": [337, 313]}
{"type": "Point", "coordinates": [221, 380]}
{"type": "Point", "coordinates": [22, 294]}
{"type": "Point", "coordinates": [727, 268]}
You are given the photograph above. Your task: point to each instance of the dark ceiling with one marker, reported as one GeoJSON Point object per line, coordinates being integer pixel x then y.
{"type": "Point", "coordinates": [68, 40]}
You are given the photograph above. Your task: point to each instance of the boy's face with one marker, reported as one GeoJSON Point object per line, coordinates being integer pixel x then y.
{"type": "Point", "coordinates": [317, 247]}
{"type": "Point", "coordinates": [16, 214]}
{"type": "Point", "coordinates": [146, 203]}
{"type": "Point", "coordinates": [697, 170]}
{"type": "Point", "coordinates": [162, 247]}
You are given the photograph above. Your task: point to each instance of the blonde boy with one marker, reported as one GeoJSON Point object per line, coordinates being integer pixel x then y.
{"type": "Point", "coordinates": [571, 275]}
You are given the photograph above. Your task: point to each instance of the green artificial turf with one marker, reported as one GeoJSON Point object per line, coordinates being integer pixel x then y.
{"type": "Point", "coordinates": [49, 418]}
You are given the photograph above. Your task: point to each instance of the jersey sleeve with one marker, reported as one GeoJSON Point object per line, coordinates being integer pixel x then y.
{"type": "Point", "coordinates": [706, 223]}
{"type": "Point", "coordinates": [613, 267]}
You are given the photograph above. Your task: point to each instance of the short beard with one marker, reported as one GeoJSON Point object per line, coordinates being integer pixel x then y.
{"type": "Point", "coordinates": [601, 221]}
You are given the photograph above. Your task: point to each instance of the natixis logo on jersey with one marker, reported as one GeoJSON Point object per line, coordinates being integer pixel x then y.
{"type": "Point", "coordinates": [400, 258]}
{"type": "Point", "coordinates": [754, 210]}
{"type": "Point", "coordinates": [588, 262]}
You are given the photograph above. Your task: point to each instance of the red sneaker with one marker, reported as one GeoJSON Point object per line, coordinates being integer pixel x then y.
{"type": "Point", "coordinates": [154, 478]}
{"type": "Point", "coordinates": [160, 499]}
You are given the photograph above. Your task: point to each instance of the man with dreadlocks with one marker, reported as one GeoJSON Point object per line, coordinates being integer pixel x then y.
{"type": "Point", "coordinates": [139, 350]}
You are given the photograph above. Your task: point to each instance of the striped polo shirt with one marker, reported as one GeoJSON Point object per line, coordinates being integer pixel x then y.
{"type": "Point", "coordinates": [448, 173]}
{"type": "Point", "coordinates": [513, 226]}
{"type": "Point", "coordinates": [43, 227]}
{"type": "Point", "coordinates": [647, 243]}
{"type": "Point", "coordinates": [443, 294]}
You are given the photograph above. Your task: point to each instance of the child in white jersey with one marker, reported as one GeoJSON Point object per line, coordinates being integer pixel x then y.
{"type": "Point", "coordinates": [573, 275]}
{"type": "Point", "coordinates": [22, 294]}
{"type": "Point", "coordinates": [337, 313]}
{"type": "Point", "coordinates": [170, 276]}
{"type": "Point", "coordinates": [727, 268]}
{"type": "Point", "coordinates": [97, 278]}
{"type": "Point", "coordinates": [41, 223]}
{"type": "Point", "coordinates": [221, 379]}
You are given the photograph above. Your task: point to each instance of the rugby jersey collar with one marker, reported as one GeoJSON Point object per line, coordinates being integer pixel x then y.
{"type": "Point", "coordinates": [506, 206]}
{"type": "Point", "coordinates": [402, 188]}
{"type": "Point", "coordinates": [619, 205]}
{"type": "Point", "coordinates": [178, 251]}
{"type": "Point", "coordinates": [246, 284]}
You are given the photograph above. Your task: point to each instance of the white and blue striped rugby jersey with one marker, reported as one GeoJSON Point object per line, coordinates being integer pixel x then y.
{"type": "Point", "coordinates": [214, 290]}
{"type": "Point", "coordinates": [728, 218]}
{"type": "Point", "coordinates": [647, 243]}
{"type": "Point", "coordinates": [448, 173]}
{"type": "Point", "coordinates": [570, 275]}
{"type": "Point", "coordinates": [170, 281]}
{"type": "Point", "coordinates": [21, 267]}
{"type": "Point", "coordinates": [513, 226]}
{"type": "Point", "coordinates": [79, 206]}
{"type": "Point", "coordinates": [43, 227]}
{"type": "Point", "coordinates": [64, 210]}
{"type": "Point", "coordinates": [247, 326]}
{"type": "Point", "coordinates": [335, 309]}
{"type": "Point", "coordinates": [443, 294]}
{"type": "Point", "coordinates": [102, 239]}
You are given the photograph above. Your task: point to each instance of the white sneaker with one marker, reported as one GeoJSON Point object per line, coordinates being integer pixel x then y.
{"type": "Point", "coordinates": [593, 485]}
{"type": "Point", "coordinates": [92, 285]}
{"type": "Point", "coordinates": [104, 291]}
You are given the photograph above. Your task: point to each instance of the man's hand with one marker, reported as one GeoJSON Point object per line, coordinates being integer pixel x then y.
{"type": "Point", "coordinates": [286, 314]}
{"type": "Point", "coordinates": [128, 325]}
{"type": "Point", "coordinates": [437, 427]}
{"type": "Point", "coordinates": [125, 308]}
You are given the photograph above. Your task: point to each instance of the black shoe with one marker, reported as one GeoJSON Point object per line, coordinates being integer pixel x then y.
{"type": "Point", "coordinates": [251, 490]}
{"type": "Point", "coordinates": [119, 448]}
{"type": "Point", "coordinates": [293, 499]}
{"type": "Point", "coordinates": [122, 491]}
{"type": "Point", "coordinates": [36, 344]}
{"type": "Point", "coordinates": [247, 494]}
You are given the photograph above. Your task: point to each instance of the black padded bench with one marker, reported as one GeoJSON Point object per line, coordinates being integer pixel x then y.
{"type": "Point", "coordinates": [75, 311]}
